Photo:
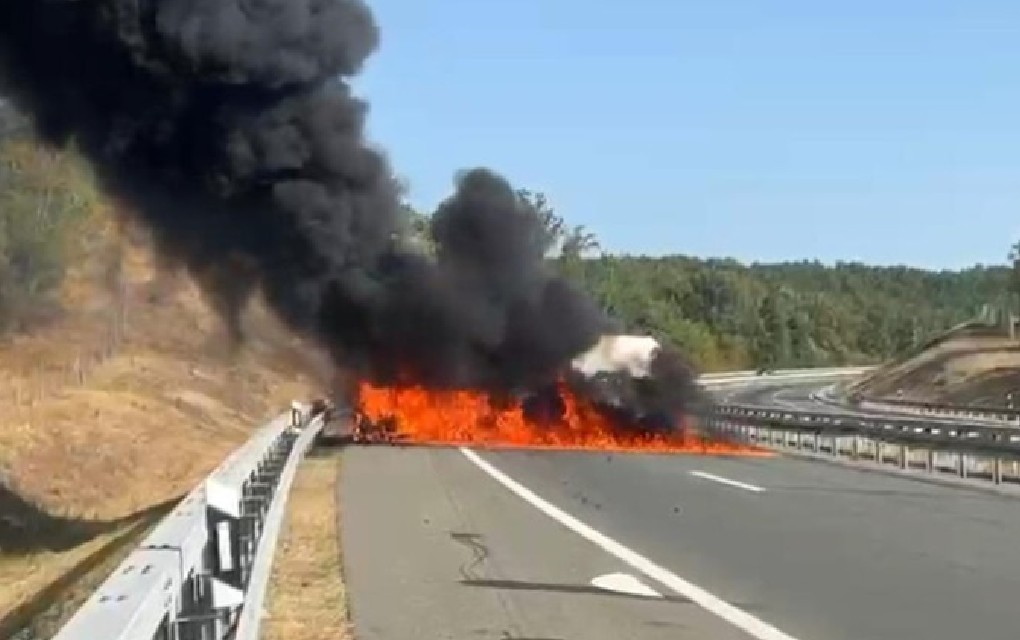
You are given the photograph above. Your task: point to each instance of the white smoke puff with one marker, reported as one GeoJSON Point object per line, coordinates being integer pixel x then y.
{"type": "Point", "coordinates": [619, 354]}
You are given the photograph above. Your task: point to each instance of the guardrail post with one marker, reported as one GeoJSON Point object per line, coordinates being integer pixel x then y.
{"type": "Point", "coordinates": [257, 495]}
{"type": "Point", "coordinates": [240, 494]}
{"type": "Point", "coordinates": [198, 618]}
{"type": "Point", "coordinates": [226, 542]}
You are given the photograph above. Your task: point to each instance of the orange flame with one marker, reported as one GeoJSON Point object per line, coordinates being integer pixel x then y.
{"type": "Point", "coordinates": [424, 416]}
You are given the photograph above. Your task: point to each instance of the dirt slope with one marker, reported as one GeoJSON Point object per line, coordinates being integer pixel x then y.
{"type": "Point", "coordinates": [972, 366]}
{"type": "Point", "coordinates": [123, 403]}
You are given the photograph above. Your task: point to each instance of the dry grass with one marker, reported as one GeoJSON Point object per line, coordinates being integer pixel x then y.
{"type": "Point", "coordinates": [961, 369]}
{"type": "Point", "coordinates": [306, 597]}
{"type": "Point", "coordinates": [97, 425]}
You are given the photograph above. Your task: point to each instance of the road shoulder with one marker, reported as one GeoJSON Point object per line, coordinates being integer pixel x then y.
{"type": "Point", "coordinates": [307, 597]}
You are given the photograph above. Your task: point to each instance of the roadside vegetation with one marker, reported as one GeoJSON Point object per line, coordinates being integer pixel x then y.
{"type": "Point", "coordinates": [51, 216]}
{"type": "Point", "coordinates": [306, 599]}
{"type": "Point", "coordinates": [118, 390]}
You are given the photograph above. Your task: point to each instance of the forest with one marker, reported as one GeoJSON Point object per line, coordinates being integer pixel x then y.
{"type": "Point", "coordinates": [727, 315]}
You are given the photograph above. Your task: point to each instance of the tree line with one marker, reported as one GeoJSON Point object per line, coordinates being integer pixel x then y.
{"type": "Point", "coordinates": [727, 315]}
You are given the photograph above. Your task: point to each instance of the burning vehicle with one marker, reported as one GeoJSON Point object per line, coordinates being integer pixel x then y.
{"type": "Point", "coordinates": [384, 430]}
{"type": "Point", "coordinates": [235, 139]}
{"type": "Point", "coordinates": [608, 400]}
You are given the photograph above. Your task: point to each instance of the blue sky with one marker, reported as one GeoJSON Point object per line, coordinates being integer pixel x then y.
{"type": "Point", "coordinates": [886, 131]}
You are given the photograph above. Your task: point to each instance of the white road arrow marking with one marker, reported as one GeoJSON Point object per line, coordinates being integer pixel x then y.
{"type": "Point", "coordinates": [623, 583]}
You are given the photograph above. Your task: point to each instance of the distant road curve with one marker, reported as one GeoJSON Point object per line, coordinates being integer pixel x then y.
{"type": "Point", "coordinates": [781, 394]}
{"type": "Point", "coordinates": [796, 395]}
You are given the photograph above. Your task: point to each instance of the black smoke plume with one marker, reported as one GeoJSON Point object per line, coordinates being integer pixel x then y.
{"type": "Point", "coordinates": [228, 128]}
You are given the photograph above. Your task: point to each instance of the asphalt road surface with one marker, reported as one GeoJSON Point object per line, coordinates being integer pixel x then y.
{"type": "Point", "coordinates": [443, 543]}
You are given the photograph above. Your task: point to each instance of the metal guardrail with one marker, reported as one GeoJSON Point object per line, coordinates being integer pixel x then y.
{"type": "Point", "coordinates": [993, 414]}
{"type": "Point", "coordinates": [201, 574]}
{"type": "Point", "coordinates": [751, 373]}
{"type": "Point", "coordinates": [956, 412]}
{"type": "Point", "coordinates": [978, 450]}
{"type": "Point", "coordinates": [775, 377]}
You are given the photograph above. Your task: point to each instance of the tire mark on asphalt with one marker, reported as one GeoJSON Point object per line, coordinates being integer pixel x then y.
{"type": "Point", "coordinates": [479, 554]}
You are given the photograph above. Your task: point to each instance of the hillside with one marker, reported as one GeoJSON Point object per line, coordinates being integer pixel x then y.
{"type": "Point", "coordinates": [119, 389]}
{"type": "Point", "coordinates": [973, 365]}
{"type": "Point", "coordinates": [106, 415]}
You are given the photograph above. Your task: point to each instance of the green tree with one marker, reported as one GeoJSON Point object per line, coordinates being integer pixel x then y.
{"type": "Point", "coordinates": [1014, 281]}
{"type": "Point", "coordinates": [47, 200]}
{"type": "Point", "coordinates": [555, 229]}
{"type": "Point", "coordinates": [789, 314]}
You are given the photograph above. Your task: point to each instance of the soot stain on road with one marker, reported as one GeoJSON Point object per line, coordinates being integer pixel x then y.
{"type": "Point", "coordinates": [479, 552]}
{"type": "Point", "coordinates": [586, 501]}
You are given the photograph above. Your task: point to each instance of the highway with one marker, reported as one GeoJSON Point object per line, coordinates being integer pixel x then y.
{"type": "Point", "coordinates": [446, 543]}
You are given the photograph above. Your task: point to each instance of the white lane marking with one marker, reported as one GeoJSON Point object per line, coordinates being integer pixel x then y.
{"type": "Point", "coordinates": [624, 583]}
{"type": "Point", "coordinates": [732, 483]}
{"type": "Point", "coordinates": [737, 617]}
